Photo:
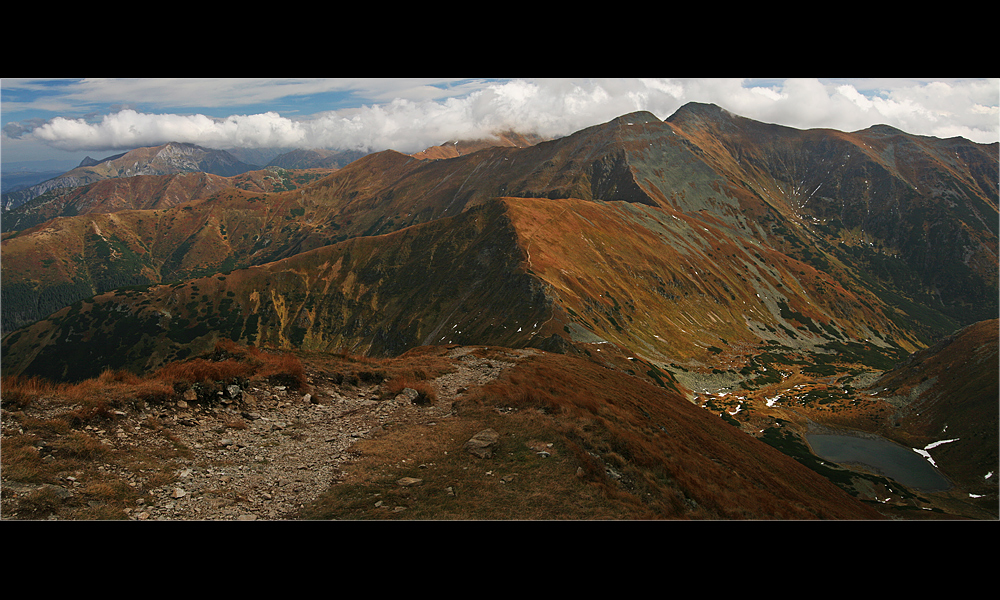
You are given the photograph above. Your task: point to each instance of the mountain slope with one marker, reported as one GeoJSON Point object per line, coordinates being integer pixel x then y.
{"type": "Point", "coordinates": [455, 279]}
{"type": "Point", "coordinates": [902, 215]}
{"type": "Point", "coordinates": [224, 223]}
{"type": "Point", "coordinates": [149, 192]}
{"type": "Point", "coordinates": [315, 159]}
{"type": "Point", "coordinates": [718, 207]}
{"type": "Point", "coordinates": [669, 288]}
{"type": "Point", "coordinates": [945, 398]}
{"type": "Point", "coordinates": [460, 147]}
{"type": "Point", "coordinates": [513, 272]}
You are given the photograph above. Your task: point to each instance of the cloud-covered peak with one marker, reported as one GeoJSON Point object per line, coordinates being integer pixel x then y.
{"type": "Point", "coordinates": [549, 107]}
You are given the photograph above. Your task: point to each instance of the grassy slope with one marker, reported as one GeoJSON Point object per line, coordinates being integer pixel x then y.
{"type": "Point", "coordinates": [451, 280]}
{"type": "Point", "coordinates": [620, 448]}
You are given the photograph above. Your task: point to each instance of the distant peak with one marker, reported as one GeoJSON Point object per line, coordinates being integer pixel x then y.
{"type": "Point", "coordinates": [882, 129]}
{"type": "Point", "coordinates": [90, 162]}
{"type": "Point", "coordinates": [639, 116]}
{"type": "Point", "coordinates": [699, 110]}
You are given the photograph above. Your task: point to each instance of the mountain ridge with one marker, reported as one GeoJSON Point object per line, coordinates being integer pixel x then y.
{"type": "Point", "coordinates": [764, 278]}
{"type": "Point", "coordinates": [639, 159]}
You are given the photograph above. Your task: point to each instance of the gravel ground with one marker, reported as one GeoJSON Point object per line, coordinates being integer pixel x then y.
{"type": "Point", "coordinates": [271, 451]}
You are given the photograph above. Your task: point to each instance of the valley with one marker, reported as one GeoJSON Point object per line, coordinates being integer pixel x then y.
{"type": "Point", "coordinates": [675, 306]}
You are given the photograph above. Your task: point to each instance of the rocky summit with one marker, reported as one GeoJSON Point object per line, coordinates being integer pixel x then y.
{"type": "Point", "coordinates": [774, 280]}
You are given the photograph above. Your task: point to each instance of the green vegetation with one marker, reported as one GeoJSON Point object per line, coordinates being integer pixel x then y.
{"type": "Point", "coordinates": [864, 353]}
{"type": "Point", "coordinates": [790, 444]}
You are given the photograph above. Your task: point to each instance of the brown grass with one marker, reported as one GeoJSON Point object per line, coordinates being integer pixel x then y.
{"type": "Point", "coordinates": [415, 381]}
{"type": "Point", "coordinates": [621, 449]}
{"type": "Point", "coordinates": [19, 392]}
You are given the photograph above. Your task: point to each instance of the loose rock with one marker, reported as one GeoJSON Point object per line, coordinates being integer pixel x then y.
{"type": "Point", "coordinates": [483, 443]}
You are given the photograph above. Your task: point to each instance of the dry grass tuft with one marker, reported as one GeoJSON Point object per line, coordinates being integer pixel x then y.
{"type": "Point", "coordinates": [17, 393]}
{"type": "Point", "coordinates": [283, 369]}
{"type": "Point", "coordinates": [425, 391]}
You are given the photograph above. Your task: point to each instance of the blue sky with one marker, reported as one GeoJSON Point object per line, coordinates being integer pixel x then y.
{"type": "Point", "coordinates": [67, 119]}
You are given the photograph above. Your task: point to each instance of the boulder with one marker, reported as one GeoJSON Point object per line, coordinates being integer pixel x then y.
{"type": "Point", "coordinates": [483, 444]}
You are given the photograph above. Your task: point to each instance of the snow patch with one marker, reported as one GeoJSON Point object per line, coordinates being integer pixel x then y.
{"type": "Point", "coordinates": [936, 444]}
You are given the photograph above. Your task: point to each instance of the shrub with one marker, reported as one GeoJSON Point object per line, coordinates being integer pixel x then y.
{"type": "Point", "coordinates": [425, 392]}
{"type": "Point", "coordinates": [81, 445]}
{"type": "Point", "coordinates": [283, 369]}
{"type": "Point", "coordinates": [19, 392]}
{"type": "Point", "coordinates": [197, 370]}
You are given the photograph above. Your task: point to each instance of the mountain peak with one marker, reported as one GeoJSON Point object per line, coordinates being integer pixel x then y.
{"type": "Point", "coordinates": [639, 116]}
{"type": "Point", "coordinates": [90, 162]}
{"type": "Point", "coordinates": [882, 129]}
{"type": "Point", "coordinates": [699, 111]}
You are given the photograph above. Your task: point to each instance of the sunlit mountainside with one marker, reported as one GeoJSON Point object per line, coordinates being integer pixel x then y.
{"type": "Point", "coordinates": [722, 262]}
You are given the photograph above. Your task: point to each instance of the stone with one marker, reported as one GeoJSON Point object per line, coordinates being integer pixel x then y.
{"type": "Point", "coordinates": [234, 391]}
{"type": "Point", "coordinates": [409, 481]}
{"type": "Point", "coordinates": [407, 395]}
{"type": "Point", "coordinates": [483, 443]}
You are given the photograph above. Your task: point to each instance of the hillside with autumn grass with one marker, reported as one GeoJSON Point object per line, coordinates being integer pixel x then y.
{"type": "Point", "coordinates": [760, 277]}
{"type": "Point", "coordinates": [578, 439]}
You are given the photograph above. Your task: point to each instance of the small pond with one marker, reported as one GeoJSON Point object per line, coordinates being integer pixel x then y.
{"type": "Point", "coordinates": [894, 461]}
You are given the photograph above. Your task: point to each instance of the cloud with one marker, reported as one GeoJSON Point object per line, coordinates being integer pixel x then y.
{"type": "Point", "coordinates": [130, 129]}
{"type": "Point", "coordinates": [412, 115]}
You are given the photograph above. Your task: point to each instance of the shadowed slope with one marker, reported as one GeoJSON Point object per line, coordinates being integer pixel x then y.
{"type": "Point", "coordinates": [949, 393]}
{"type": "Point", "coordinates": [453, 280]}
{"type": "Point", "coordinates": [911, 218]}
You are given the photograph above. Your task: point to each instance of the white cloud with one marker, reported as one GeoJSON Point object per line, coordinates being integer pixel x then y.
{"type": "Point", "coordinates": [129, 129]}
{"type": "Point", "coordinates": [410, 115]}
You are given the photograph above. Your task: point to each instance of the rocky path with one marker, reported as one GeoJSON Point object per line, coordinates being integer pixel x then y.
{"type": "Point", "coordinates": [270, 452]}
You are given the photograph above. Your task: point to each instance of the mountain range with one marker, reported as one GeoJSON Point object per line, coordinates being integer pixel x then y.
{"type": "Point", "coordinates": [714, 252]}
{"type": "Point", "coordinates": [158, 160]}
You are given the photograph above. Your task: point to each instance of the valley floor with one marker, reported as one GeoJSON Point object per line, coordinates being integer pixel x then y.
{"type": "Point", "coordinates": [844, 404]}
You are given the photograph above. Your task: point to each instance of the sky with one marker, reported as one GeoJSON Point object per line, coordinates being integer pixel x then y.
{"type": "Point", "coordinates": [67, 119]}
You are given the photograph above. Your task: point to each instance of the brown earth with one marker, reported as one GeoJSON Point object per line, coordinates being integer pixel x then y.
{"type": "Point", "coordinates": [574, 439]}
{"type": "Point", "coordinates": [263, 456]}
